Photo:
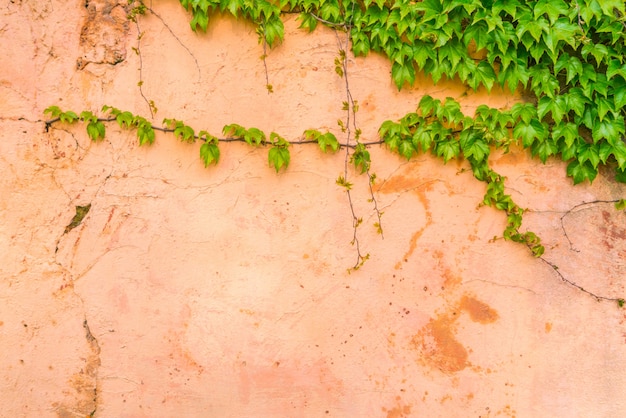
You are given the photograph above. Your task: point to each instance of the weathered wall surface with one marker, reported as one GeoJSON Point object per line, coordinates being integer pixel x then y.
{"type": "Point", "coordinates": [224, 292]}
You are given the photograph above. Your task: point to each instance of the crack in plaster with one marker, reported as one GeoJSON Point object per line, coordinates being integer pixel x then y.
{"type": "Point", "coordinates": [510, 286]}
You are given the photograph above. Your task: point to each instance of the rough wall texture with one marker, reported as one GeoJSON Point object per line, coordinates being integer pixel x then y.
{"type": "Point", "coordinates": [224, 292]}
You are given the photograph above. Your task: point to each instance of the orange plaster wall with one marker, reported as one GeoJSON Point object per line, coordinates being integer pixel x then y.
{"type": "Point", "coordinates": [224, 292]}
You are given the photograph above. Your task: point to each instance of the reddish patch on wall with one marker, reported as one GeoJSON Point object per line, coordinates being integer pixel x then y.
{"type": "Point", "coordinates": [611, 231]}
{"type": "Point", "coordinates": [436, 342]}
{"type": "Point", "coordinates": [398, 412]}
{"type": "Point", "coordinates": [478, 311]}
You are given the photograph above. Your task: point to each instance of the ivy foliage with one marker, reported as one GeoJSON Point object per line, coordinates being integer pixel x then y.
{"type": "Point", "coordinates": [567, 57]}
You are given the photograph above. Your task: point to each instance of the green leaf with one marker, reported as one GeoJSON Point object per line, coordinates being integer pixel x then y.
{"type": "Point", "coordinates": [209, 153]}
{"type": "Point", "coordinates": [576, 100]}
{"type": "Point", "coordinates": [447, 149]}
{"type": "Point", "coordinates": [599, 51]}
{"type": "Point", "coordinates": [145, 132]}
{"type": "Point", "coordinates": [88, 116]}
{"type": "Point", "coordinates": [572, 66]}
{"type": "Point", "coordinates": [308, 22]}
{"type": "Point", "coordinates": [125, 119]}
{"type": "Point", "coordinates": [68, 117]}
{"type": "Point", "coordinates": [609, 129]}
{"type": "Point", "coordinates": [422, 138]}
{"type": "Point", "coordinates": [328, 140]}
{"type": "Point", "coordinates": [544, 149]}
{"type": "Point", "coordinates": [609, 6]}
{"type": "Point", "coordinates": [273, 30]}
{"type": "Point", "coordinates": [54, 111]}
{"type": "Point", "coordinates": [200, 19]}
{"type": "Point", "coordinates": [278, 157]}
{"type": "Point", "coordinates": [406, 149]}
{"type": "Point", "coordinates": [529, 133]}
{"type": "Point", "coordinates": [95, 130]}
{"type": "Point", "coordinates": [484, 75]}
{"type": "Point", "coordinates": [524, 111]}
{"type": "Point", "coordinates": [553, 8]}
{"type": "Point", "coordinates": [360, 158]}
{"type": "Point", "coordinates": [473, 145]}
{"type": "Point", "coordinates": [403, 73]}
{"type": "Point", "coordinates": [566, 130]}
{"type": "Point", "coordinates": [556, 106]}
{"type": "Point", "coordinates": [427, 105]}
{"type": "Point", "coordinates": [581, 171]}
{"type": "Point", "coordinates": [254, 135]}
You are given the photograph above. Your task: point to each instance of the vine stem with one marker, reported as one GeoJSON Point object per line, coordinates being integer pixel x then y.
{"type": "Point", "coordinates": [48, 123]}
{"type": "Point", "coordinates": [572, 210]}
{"type": "Point", "coordinates": [599, 298]}
{"type": "Point", "coordinates": [140, 84]}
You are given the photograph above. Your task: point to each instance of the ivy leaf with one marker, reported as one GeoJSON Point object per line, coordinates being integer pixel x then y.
{"type": "Point", "coordinates": [553, 8]}
{"type": "Point", "coordinates": [431, 9]}
{"type": "Point", "coordinates": [447, 149]}
{"type": "Point", "coordinates": [145, 132]}
{"type": "Point", "coordinates": [568, 131]}
{"type": "Point", "coordinates": [406, 149]}
{"type": "Point", "coordinates": [209, 153]}
{"type": "Point", "coordinates": [422, 138]}
{"type": "Point", "coordinates": [95, 130]}
{"type": "Point", "coordinates": [529, 133]}
{"type": "Point", "coordinates": [581, 171]}
{"type": "Point", "coordinates": [124, 119]}
{"type": "Point", "coordinates": [54, 111]}
{"type": "Point", "coordinates": [619, 152]}
{"type": "Point", "coordinates": [360, 43]}
{"type": "Point", "coordinates": [200, 19]}
{"type": "Point", "coordinates": [484, 75]}
{"type": "Point", "coordinates": [544, 149]}
{"type": "Point", "coordinates": [509, 6]}
{"type": "Point", "coordinates": [524, 111]}
{"type": "Point", "coordinates": [273, 30]}
{"type": "Point", "coordinates": [360, 158]}
{"type": "Point", "coordinates": [473, 145]}
{"type": "Point", "coordinates": [556, 106]}
{"type": "Point", "coordinates": [572, 66]}
{"type": "Point", "coordinates": [427, 105]}
{"type": "Point", "coordinates": [69, 117]}
{"type": "Point", "coordinates": [608, 6]}
{"type": "Point", "coordinates": [576, 100]}
{"type": "Point", "coordinates": [599, 51]}
{"type": "Point", "coordinates": [328, 140]}
{"type": "Point", "coordinates": [308, 22]}
{"type": "Point", "coordinates": [403, 73]}
{"type": "Point", "coordinates": [278, 157]}
{"type": "Point", "coordinates": [609, 129]}
{"type": "Point", "coordinates": [478, 33]}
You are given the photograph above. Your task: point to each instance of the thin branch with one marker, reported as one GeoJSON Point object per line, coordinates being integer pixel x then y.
{"type": "Point", "coordinates": [140, 84]}
{"type": "Point", "coordinates": [599, 298]}
{"type": "Point", "coordinates": [582, 205]}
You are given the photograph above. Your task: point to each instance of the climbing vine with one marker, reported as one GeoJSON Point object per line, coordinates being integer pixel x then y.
{"type": "Point", "coordinates": [566, 58]}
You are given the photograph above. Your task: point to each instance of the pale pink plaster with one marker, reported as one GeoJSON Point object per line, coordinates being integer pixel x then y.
{"type": "Point", "coordinates": [224, 292]}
